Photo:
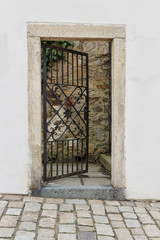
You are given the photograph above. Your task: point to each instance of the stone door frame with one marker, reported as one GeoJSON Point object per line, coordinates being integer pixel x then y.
{"type": "Point", "coordinates": [38, 32]}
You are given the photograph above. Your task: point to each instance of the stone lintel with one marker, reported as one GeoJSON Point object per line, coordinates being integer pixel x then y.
{"type": "Point", "coordinates": [76, 31]}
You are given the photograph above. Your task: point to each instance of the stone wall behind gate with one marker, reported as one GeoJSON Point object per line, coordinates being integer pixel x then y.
{"type": "Point", "coordinates": [98, 55]}
{"type": "Point", "coordinates": [98, 62]}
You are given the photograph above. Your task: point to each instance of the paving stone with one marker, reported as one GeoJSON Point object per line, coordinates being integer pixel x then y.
{"type": "Point", "coordinates": [54, 200]}
{"type": "Point", "coordinates": [49, 213]}
{"type": "Point", "coordinates": [29, 226]}
{"type": "Point", "coordinates": [66, 182]}
{"type": "Point", "coordinates": [158, 222]}
{"type": "Point", "coordinates": [125, 209]}
{"type": "Point", "coordinates": [3, 204]}
{"type": "Point", "coordinates": [32, 207]}
{"type": "Point", "coordinates": [118, 224]}
{"type": "Point", "coordinates": [6, 232]}
{"type": "Point", "coordinates": [85, 214]}
{"type": "Point", "coordinates": [90, 174]}
{"type": "Point", "coordinates": [123, 234]}
{"type": "Point", "coordinates": [105, 238]}
{"type": "Point", "coordinates": [33, 199]}
{"type": "Point", "coordinates": [98, 209]}
{"type": "Point", "coordinates": [140, 237]}
{"type": "Point", "coordinates": [154, 238]}
{"type": "Point", "coordinates": [116, 217]}
{"type": "Point", "coordinates": [42, 232]}
{"type": "Point", "coordinates": [86, 236]}
{"type": "Point", "coordinates": [1, 212]}
{"type": "Point", "coordinates": [152, 208]}
{"type": "Point", "coordinates": [129, 215]}
{"type": "Point", "coordinates": [104, 229]}
{"type": "Point", "coordinates": [8, 221]}
{"type": "Point", "coordinates": [82, 207]}
{"type": "Point", "coordinates": [29, 217]}
{"type": "Point", "coordinates": [83, 218]}
{"type": "Point", "coordinates": [67, 228]}
{"type": "Point", "coordinates": [94, 167]}
{"type": "Point", "coordinates": [111, 209]}
{"type": "Point", "coordinates": [112, 203]}
{"type": "Point", "coordinates": [94, 202]}
{"type": "Point", "coordinates": [86, 229]}
{"type": "Point", "coordinates": [47, 222]}
{"type": "Point", "coordinates": [13, 197]}
{"type": "Point", "coordinates": [145, 218]}
{"type": "Point", "coordinates": [151, 230]}
{"type": "Point", "coordinates": [141, 203]}
{"type": "Point", "coordinates": [140, 210]}
{"type": "Point", "coordinates": [132, 223]}
{"type": "Point", "coordinates": [62, 236]}
{"type": "Point", "coordinates": [100, 219]}
{"type": "Point", "coordinates": [24, 235]}
{"type": "Point", "coordinates": [66, 207]}
{"type": "Point", "coordinates": [45, 238]}
{"type": "Point", "coordinates": [48, 206]}
{"type": "Point", "coordinates": [85, 221]}
{"type": "Point", "coordinates": [137, 231]}
{"type": "Point", "coordinates": [97, 181]}
{"type": "Point", "coordinates": [16, 204]}
{"type": "Point", "coordinates": [13, 211]}
{"type": "Point", "coordinates": [155, 214]}
{"type": "Point", "coordinates": [76, 201]}
{"type": "Point", "coordinates": [66, 217]}
{"type": "Point", "coordinates": [127, 203]}
{"type": "Point", "coordinates": [155, 204]}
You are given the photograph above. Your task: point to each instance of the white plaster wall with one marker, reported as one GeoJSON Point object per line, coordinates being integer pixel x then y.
{"type": "Point", "coordinates": [142, 88]}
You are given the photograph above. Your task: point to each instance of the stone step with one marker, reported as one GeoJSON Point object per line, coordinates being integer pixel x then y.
{"type": "Point", "coordinates": [83, 192]}
{"type": "Point", "coordinates": [105, 160]}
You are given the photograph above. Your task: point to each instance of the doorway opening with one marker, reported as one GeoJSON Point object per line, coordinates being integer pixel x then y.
{"type": "Point", "coordinates": [76, 116]}
{"type": "Point", "coordinates": [37, 32]}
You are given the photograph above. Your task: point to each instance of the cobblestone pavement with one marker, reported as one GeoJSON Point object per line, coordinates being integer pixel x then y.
{"type": "Point", "coordinates": [33, 218]}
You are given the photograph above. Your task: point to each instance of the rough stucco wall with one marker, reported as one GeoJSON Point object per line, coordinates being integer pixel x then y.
{"type": "Point", "coordinates": [142, 87]}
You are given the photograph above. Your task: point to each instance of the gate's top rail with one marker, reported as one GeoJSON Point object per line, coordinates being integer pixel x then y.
{"type": "Point", "coordinates": [64, 49]}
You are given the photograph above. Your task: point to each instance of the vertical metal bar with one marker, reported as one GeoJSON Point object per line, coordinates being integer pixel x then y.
{"type": "Point", "coordinates": [62, 67]}
{"type": "Point", "coordinates": [57, 66]}
{"type": "Point", "coordinates": [67, 68]}
{"type": "Point", "coordinates": [110, 98]}
{"type": "Point", "coordinates": [57, 160]}
{"type": "Point", "coordinates": [87, 104]}
{"type": "Point", "coordinates": [44, 116]}
{"type": "Point", "coordinates": [51, 159]}
{"type": "Point", "coordinates": [62, 157]}
{"type": "Point", "coordinates": [77, 69]}
{"type": "Point", "coordinates": [51, 66]}
{"type": "Point", "coordinates": [72, 69]}
{"type": "Point", "coordinates": [67, 156]}
{"type": "Point", "coordinates": [82, 70]}
{"type": "Point", "coordinates": [82, 155]}
{"type": "Point", "coordinates": [77, 155]}
{"type": "Point", "coordinates": [72, 155]}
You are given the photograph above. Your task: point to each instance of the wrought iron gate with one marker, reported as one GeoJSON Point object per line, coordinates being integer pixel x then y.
{"type": "Point", "coordinates": [65, 112]}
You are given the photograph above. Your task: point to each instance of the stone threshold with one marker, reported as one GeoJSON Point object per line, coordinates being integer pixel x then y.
{"type": "Point", "coordinates": [82, 192]}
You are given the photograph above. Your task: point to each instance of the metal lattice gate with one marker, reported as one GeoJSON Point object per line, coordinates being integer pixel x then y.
{"type": "Point", "coordinates": [65, 113]}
